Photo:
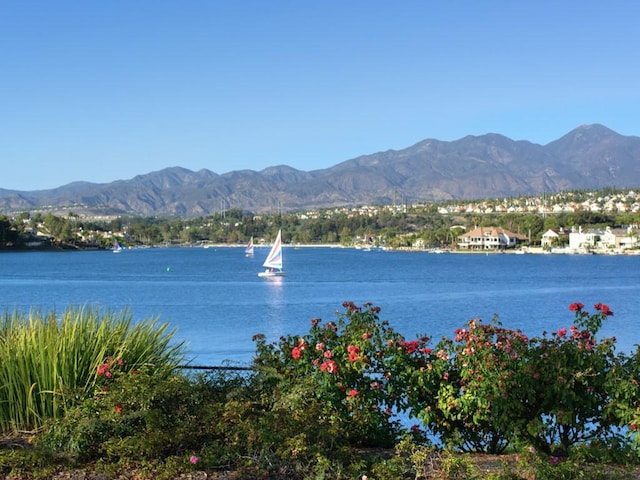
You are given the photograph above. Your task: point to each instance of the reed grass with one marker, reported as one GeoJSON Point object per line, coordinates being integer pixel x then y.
{"type": "Point", "coordinates": [49, 362]}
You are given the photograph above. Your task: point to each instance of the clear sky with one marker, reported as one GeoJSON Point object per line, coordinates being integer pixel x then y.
{"type": "Point", "coordinates": [105, 90]}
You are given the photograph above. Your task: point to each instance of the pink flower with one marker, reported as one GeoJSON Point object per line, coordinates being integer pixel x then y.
{"type": "Point", "coordinates": [562, 332]}
{"type": "Point", "coordinates": [353, 393]}
{"type": "Point", "coordinates": [193, 459]}
{"type": "Point", "coordinates": [327, 354]}
{"type": "Point", "coordinates": [296, 353]}
{"type": "Point", "coordinates": [329, 366]}
{"type": "Point", "coordinates": [320, 346]}
{"type": "Point", "coordinates": [354, 353]}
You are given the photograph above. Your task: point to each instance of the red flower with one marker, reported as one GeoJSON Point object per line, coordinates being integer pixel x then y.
{"type": "Point", "coordinates": [118, 408]}
{"type": "Point", "coordinates": [411, 346]}
{"type": "Point", "coordinates": [296, 353]}
{"type": "Point", "coordinates": [576, 307]}
{"type": "Point", "coordinates": [353, 393]}
{"type": "Point", "coordinates": [603, 308]}
{"type": "Point", "coordinates": [562, 332]}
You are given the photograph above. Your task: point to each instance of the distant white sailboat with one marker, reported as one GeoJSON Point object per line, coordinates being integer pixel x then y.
{"type": "Point", "coordinates": [249, 250]}
{"type": "Point", "coordinates": [273, 263]}
{"type": "Point", "coordinates": [116, 247]}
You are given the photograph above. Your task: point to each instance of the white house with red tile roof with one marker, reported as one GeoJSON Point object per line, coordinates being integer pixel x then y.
{"type": "Point", "coordinates": [489, 238]}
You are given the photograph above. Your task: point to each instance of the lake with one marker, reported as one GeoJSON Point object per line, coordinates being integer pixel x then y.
{"type": "Point", "coordinates": [216, 302]}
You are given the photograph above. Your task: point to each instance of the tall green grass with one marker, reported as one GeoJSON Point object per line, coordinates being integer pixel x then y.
{"type": "Point", "coordinates": [49, 362]}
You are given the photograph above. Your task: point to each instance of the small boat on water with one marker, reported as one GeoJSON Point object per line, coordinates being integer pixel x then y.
{"type": "Point", "coordinates": [248, 251]}
{"type": "Point", "coordinates": [273, 263]}
{"type": "Point", "coordinates": [116, 247]}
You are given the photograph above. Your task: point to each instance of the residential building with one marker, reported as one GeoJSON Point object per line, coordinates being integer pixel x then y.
{"type": "Point", "coordinates": [489, 238]}
{"type": "Point", "coordinates": [553, 238]}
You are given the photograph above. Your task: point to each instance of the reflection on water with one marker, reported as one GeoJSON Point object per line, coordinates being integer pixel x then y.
{"type": "Point", "coordinates": [275, 307]}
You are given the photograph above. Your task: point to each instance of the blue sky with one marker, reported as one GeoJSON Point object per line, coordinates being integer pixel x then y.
{"type": "Point", "coordinates": [103, 91]}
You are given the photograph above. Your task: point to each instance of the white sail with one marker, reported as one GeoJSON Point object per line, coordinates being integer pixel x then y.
{"type": "Point", "coordinates": [273, 263]}
{"type": "Point", "coordinates": [249, 250]}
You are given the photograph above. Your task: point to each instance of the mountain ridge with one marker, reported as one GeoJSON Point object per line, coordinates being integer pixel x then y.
{"type": "Point", "coordinates": [484, 166]}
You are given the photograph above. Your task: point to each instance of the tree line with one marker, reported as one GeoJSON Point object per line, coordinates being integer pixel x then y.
{"type": "Point", "coordinates": [385, 227]}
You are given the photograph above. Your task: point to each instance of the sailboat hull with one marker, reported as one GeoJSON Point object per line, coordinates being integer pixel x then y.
{"type": "Point", "coordinates": [268, 274]}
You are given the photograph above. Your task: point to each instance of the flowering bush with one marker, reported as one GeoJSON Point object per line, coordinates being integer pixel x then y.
{"type": "Point", "coordinates": [489, 386]}
{"type": "Point", "coordinates": [484, 389]}
{"type": "Point", "coordinates": [347, 362]}
{"type": "Point", "coordinates": [461, 389]}
{"type": "Point", "coordinates": [566, 383]}
{"type": "Point", "coordinates": [312, 400]}
{"type": "Point", "coordinates": [623, 386]}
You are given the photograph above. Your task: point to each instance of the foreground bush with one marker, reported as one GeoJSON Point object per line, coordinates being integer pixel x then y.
{"type": "Point", "coordinates": [324, 405]}
{"type": "Point", "coordinates": [48, 363]}
{"type": "Point", "coordinates": [492, 387]}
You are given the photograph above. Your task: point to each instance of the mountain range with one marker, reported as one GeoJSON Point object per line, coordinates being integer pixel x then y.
{"type": "Point", "coordinates": [473, 167]}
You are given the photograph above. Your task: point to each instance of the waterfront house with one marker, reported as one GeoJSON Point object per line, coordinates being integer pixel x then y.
{"type": "Point", "coordinates": [489, 238]}
{"type": "Point", "coordinates": [553, 238]}
{"type": "Point", "coordinates": [619, 239]}
{"type": "Point", "coordinates": [584, 240]}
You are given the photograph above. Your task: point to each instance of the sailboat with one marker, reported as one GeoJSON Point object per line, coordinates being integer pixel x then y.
{"type": "Point", "coordinates": [116, 247]}
{"type": "Point", "coordinates": [249, 250]}
{"type": "Point", "coordinates": [273, 263]}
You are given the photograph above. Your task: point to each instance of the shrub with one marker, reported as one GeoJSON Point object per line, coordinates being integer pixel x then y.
{"type": "Point", "coordinates": [339, 370]}
{"type": "Point", "coordinates": [50, 362]}
{"type": "Point", "coordinates": [566, 384]}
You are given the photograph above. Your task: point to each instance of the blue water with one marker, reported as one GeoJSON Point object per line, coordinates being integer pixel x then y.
{"type": "Point", "coordinates": [216, 302]}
